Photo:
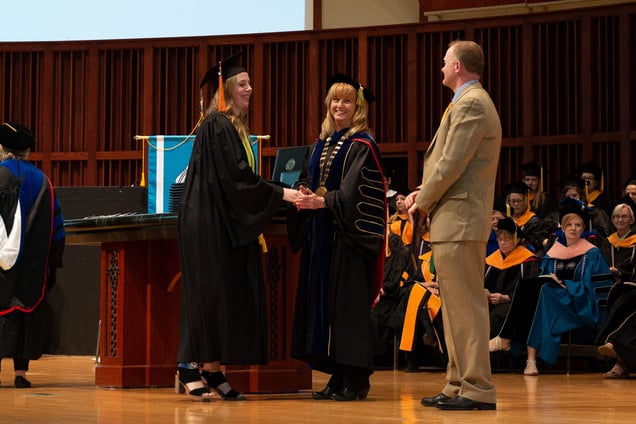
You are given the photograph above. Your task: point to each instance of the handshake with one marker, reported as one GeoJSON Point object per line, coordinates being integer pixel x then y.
{"type": "Point", "coordinates": [304, 198]}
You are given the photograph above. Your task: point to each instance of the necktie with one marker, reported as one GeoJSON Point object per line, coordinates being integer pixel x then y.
{"type": "Point", "coordinates": [446, 111]}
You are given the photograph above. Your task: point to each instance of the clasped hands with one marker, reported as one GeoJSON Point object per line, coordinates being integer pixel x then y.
{"type": "Point", "coordinates": [303, 198]}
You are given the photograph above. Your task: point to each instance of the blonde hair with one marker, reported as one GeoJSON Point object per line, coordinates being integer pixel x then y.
{"type": "Point", "coordinates": [359, 122]}
{"type": "Point", "coordinates": [7, 153]}
{"type": "Point", "coordinates": [239, 122]}
{"type": "Point", "coordinates": [621, 206]}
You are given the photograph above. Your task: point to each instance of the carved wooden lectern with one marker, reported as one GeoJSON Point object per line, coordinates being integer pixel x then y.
{"type": "Point", "coordinates": [140, 298]}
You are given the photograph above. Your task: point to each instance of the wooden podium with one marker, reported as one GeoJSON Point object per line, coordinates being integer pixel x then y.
{"type": "Point", "coordinates": [140, 298]}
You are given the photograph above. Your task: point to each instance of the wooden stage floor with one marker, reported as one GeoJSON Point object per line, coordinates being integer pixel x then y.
{"type": "Point", "coordinates": [64, 392]}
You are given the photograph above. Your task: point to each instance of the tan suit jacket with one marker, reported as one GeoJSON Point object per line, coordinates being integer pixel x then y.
{"type": "Point", "coordinates": [460, 167]}
{"type": "Point", "coordinates": [457, 192]}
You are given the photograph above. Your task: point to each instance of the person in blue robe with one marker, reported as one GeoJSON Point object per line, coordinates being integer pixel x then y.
{"type": "Point", "coordinates": [31, 248]}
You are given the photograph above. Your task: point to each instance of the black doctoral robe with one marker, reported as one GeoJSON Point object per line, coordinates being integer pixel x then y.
{"type": "Point", "coordinates": [23, 286]}
{"type": "Point", "coordinates": [225, 206]}
{"type": "Point", "coordinates": [342, 258]}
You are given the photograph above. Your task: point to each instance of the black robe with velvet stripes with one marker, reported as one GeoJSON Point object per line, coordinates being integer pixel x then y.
{"type": "Point", "coordinates": [23, 286]}
{"type": "Point", "coordinates": [225, 206]}
{"type": "Point", "coordinates": [342, 258]}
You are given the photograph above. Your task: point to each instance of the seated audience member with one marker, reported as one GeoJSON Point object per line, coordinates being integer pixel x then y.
{"type": "Point", "coordinates": [598, 227]}
{"type": "Point", "coordinates": [568, 301]}
{"type": "Point", "coordinates": [619, 330]}
{"type": "Point", "coordinates": [492, 244]}
{"type": "Point", "coordinates": [504, 268]}
{"type": "Point", "coordinates": [629, 194]}
{"type": "Point", "coordinates": [540, 202]}
{"type": "Point", "coordinates": [592, 175]}
{"type": "Point", "coordinates": [629, 189]}
{"type": "Point", "coordinates": [399, 222]}
{"type": "Point", "coordinates": [399, 265]}
{"type": "Point", "coordinates": [417, 318]}
{"type": "Point", "coordinates": [518, 209]}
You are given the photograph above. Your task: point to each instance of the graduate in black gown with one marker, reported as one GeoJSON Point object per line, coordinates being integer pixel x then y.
{"type": "Point", "coordinates": [31, 248]}
{"type": "Point", "coordinates": [224, 209]}
{"type": "Point", "coordinates": [343, 214]}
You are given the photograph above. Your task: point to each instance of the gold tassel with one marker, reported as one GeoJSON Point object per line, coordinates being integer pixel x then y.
{"type": "Point", "coordinates": [262, 242]}
{"type": "Point", "coordinates": [360, 99]}
{"type": "Point", "coordinates": [222, 107]}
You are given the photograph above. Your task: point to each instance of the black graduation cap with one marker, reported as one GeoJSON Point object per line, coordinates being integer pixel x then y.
{"type": "Point", "coordinates": [517, 187]}
{"type": "Point", "coordinates": [340, 77]}
{"type": "Point", "coordinates": [507, 224]}
{"type": "Point", "coordinates": [229, 67]}
{"type": "Point", "coordinates": [532, 169]}
{"type": "Point", "coordinates": [590, 168]}
{"type": "Point", "coordinates": [569, 205]}
{"type": "Point", "coordinates": [572, 181]}
{"type": "Point", "coordinates": [499, 204]}
{"type": "Point", "coordinates": [16, 136]}
{"type": "Point", "coordinates": [630, 181]}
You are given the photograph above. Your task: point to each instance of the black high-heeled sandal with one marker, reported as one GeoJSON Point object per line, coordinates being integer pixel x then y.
{"type": "Point", "coordinates": [217, 381]}
{"type": "Point", "coordinates": [189, 381]}
{"type": "Point", "coordinates": [347, 394]}
{"type": "Point", "coordinates": [21, 382]}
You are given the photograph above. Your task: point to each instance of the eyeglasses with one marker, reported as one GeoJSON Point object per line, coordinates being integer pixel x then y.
{"type": "Point", "coordinates": [623, 217]}
{"type": "Point", "coordinates": [514, 201]}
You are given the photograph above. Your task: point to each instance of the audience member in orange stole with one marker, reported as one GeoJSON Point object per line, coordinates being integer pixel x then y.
{"type": "Point", "coordinates": [518, 208]}
{"type": "Point", "coordinates": [31, 246]}
{"type": "Point", "coordinates": [619, 330]}
{"type": "Point", "coordinates": [505, 267]}
{"type": "Point", "coordinates": [568, 300]}
{"type": "Point", "coordinates": [592, 175]}
{"type": "Point", "coordinates": [224, 209]}
{"type": "Point", "coordinates": [540, 202]}
{"type": "Point", "coordinates": [343, 205]}
{"type": "Point", "coordinates": [399, 222]}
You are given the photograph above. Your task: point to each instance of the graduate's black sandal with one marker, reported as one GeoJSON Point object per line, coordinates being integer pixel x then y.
{"type": "Point", "coordinates": [189, 381]}
{"type": "Point", "coordinates": [216, 380]}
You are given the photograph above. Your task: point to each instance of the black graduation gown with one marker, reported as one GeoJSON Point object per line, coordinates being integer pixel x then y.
{"type": "Point", "coordinates": [502, 276]}
{"type": "Point", "coordinates": [225, 206]}
{"type": "Point", "coordinates": [342, 259]}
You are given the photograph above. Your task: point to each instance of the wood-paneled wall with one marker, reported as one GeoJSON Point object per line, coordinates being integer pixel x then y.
{"type": "Point", "coordinates": [561, 82]}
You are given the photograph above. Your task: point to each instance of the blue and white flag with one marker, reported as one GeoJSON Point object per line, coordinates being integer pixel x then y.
{"type": "Point", "coordinates": [168, 158]}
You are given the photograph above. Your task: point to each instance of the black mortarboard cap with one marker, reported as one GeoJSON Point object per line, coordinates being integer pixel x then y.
{"type": "Point", "coordinates": [630, 181]}
{"type": "Point", "coordinates": [591, 168]}
{"type": "Point", "coordinates": [531, 169]}
{"type": "Point", "coordinates": [16, 136]}
{"type": "Point", "coordinates": [499, 205]}
{"type": "Point", "coordinates": [517, 187]}
{"type": "Point", "coordinates": [507, 224]}
{"type": "Point", "coordinates": [572, 181]}
{"type": "Point", "coordinates": [229, 67]}
{"type": "Point", "coordinates": [340, 77]}
{"type": "Point", "coordinates": [569, 205]}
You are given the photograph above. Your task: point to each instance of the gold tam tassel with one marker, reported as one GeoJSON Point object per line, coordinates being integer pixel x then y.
{"type": "Point", "coordinates": [262, 242]}
{"type": "Point", "coordinates": [360, 99]}
{"type": "Point", "coordinates": [222, 107]}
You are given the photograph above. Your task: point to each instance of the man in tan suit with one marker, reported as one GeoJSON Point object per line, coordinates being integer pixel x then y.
{"type": "Point", "coordinates": [457, 192]}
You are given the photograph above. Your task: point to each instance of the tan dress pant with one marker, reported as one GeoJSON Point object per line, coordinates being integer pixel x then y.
{"type": "Point", "coordinates": [460, 270]}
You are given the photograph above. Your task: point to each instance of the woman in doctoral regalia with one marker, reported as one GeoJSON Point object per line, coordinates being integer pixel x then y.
{"type": "Point", "coordinates": [341, 221]}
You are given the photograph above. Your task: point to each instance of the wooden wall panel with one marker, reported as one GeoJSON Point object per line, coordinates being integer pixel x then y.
{"type": "Point", "coordinates": [561, 82]}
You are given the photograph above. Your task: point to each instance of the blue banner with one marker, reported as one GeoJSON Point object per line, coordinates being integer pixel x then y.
{"type": "Point", "coordinates": [168, 158]}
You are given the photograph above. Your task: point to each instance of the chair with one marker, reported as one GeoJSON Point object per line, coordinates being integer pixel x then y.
{"type": "Point", "coordinates": [602, 283]}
